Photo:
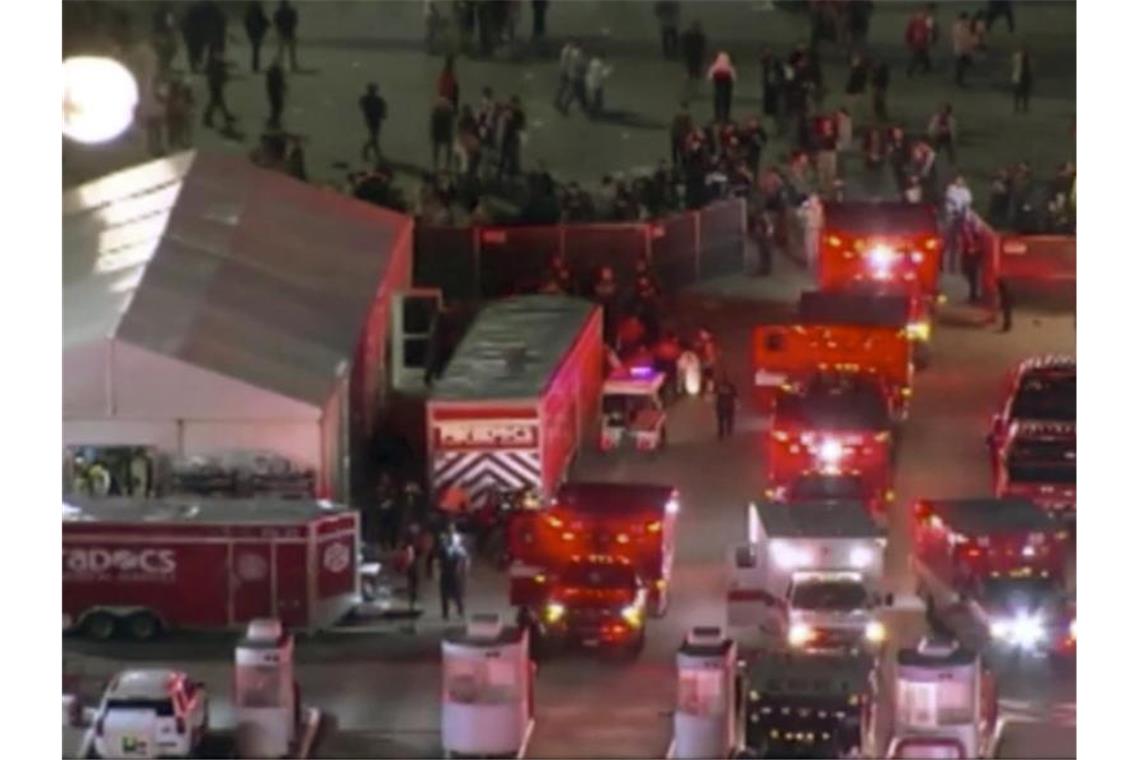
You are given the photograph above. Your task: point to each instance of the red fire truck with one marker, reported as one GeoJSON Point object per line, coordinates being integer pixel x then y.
{"type": "Point", "coordinates": [1039, 389]}
{"type": "Point", "coordinates": [837, 426]}
{"type": "Point", "coordinates": [141, 567]}
{"type": "Point", "coordinates": [788, 355]}
{"type": "Point", "coordinates": [873, 305]}
{"type": "Point", "coordinates": [1038, 461]}
{"type": "Point", "coordinates": [891, 243]}
{"type": "Point", "coordinates": [518, 399]}
{"type": "Point", "coordinates": [635, 522]}
{"type": "Point", "coordinates": [995, 571]}
{"type": "Point", "coordinates": [598, 600]}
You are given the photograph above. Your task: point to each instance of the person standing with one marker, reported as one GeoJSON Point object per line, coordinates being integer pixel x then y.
{"type": "Point", "coordinates": [596, 74]}
{"type": "Point", "coordinates": [285, 21]}
{"type": "Point", "coordinates": [1005, 304]}
{"type": "Point", "coordinates": [668, 14]}
{"type": "Point", "coordinates": [375, 110]}
{"type": "Point", "coordinates": [164, 38]}
{"type": "Point", "coordinates": [958, 202]}
{"type": "Point", "coordinates": [411, 568]}
{"type": "Point", "coordinates": [567, 65]}
{"type": "Point", "coordinates": [826, 157]}
{"type": "Point", "coordinates": [962, 39]}
{"type": "Point", "coordinates": [446, 85]}
{"type": "Point", "coordinates": [857, 77]}
{"type": "Point", "coordinates": [1022, 80]}
{"type": "Point", "coordinates": [693, 50]}
{"type": "Point", "coordinates": [217, 76]}
{"type": "Point", "coordinates": [452, 573]}
{"type": "Point", "coordinates": [723, 75]}
{"type": "Point", "coordinates": [275, 91]}
{"type": "Point", "coordinates": [538, 19]}
{"type": "Point", "coordinates": [256, 27]}
{"type": "Point", "coordinates": [999, 9]}
{"type": "Point", "coordinates": [725, 408]}
{"type": "Point", "coordinates": [682, 125]}
{"type": "Point", "coordinates": [943, 132]}
{"type": "Point", "coordinates": [514, 123]}
{"type": "Point", "coordinates": [772, 85]}
{"type": "Point", "coordinates": [441, 132]}
{"type": "Point", "coordinates": [880, 82]}
{"type": "Point", "coordinates": [194, 36]}
{"type": "Point", "coordinates": [578, 82]}
{"type": "Point", "coordinates": [972, 259]}
{"type": "Point", "coordinates": [918, 41]}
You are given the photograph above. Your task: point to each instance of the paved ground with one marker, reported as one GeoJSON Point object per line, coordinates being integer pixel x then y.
{"type": "Point", "coordinates": [346, 44]}
{"type": "Point", "coordinates": [383, 690]}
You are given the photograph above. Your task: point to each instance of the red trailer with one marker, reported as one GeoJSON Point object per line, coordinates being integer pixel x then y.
{"type": "Point", "coordinates": [518, 398]}
{"type": "Point", "coordinates": [140, 567]}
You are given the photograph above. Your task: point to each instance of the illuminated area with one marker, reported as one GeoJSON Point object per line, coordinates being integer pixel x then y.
{"type": "Point", "coordinates": [99, 99]}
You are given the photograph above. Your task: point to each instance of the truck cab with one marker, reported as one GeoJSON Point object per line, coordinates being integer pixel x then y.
{"type": "Point", "coordinates": [1030, 614]}
{"type": "Point", "coordinates": [633, 409]}
{"type": "Point", "coordinates": [1038, 461]}
{"type": "Point", "coordinates": [807, 705]}
{"type": "Point", "coordinates": [945, 703]}
{"type": "Point", "coordinates": [839, 424]}
{"type": "Point", "coordinates": [833, 610]}
{"type": "Point", "coordinates": [871, 304]}
{"type": "Point", "coordinates": [631, 521]}
{"type": "Point", "coordinates": [1039, 389]}
{"type": "Point", "coordinates": [596, 601]}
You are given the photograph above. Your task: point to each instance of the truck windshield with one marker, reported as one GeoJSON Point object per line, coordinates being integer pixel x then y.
{"type": "Point", "coordinates": [828, 595]}
{"type": "Point", "coordinates": [827, 487]}
{"type": "Point", "coordinates": [1049, 397]}
{"type": "Point", "coordinates": [1043, 461]}
{"type": "Point", "coordinates": [1033, 472]}
{"type": "Point", "coordinates": [1026, 594]}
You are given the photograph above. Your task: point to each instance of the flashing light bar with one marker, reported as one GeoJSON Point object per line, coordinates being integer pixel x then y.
{"type": "Point", "coordinates": [641, 371]}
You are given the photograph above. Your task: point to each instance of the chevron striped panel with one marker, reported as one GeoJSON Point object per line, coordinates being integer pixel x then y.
{"type": "Point", "coordinates": [479, 472]}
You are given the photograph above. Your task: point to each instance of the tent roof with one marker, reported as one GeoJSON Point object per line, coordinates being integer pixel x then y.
{"type": "Point", "coordinates": [212, 261]}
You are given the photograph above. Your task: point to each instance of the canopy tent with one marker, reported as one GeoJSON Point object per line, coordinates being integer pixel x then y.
{"type": "Point", "coordinates": [210, 305]}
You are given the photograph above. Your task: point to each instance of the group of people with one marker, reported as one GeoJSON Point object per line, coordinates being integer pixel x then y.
{"type": "Point", "coordinates": [1020, 202]}
{"type": "Point", "coordinates": [483, 26]}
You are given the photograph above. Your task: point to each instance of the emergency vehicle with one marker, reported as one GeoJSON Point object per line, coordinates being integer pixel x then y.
{"type": "Point", "coordinates": [838, 425]}
{"type": "Point", "coordinates": [787, 356]}
{"type": "Point", "coordinates": [151, 713]}
{"type": "Point", "coordinates": [633, 409]}
{"type": "Point", "coordinates": [945, 705]}
{"type": "Point", "coordinates": [518, 399]}
{"type": "Point", "coordinates": [1038, 461]}
{"type": "Point", "coordinates": [884, 243]}
{"type": "Point", "coordinates": [807, 705]}
{"type": "Point", "coordinates": [596, 601]}
{"type": "Point", "coordinates": [811, 574]}
{"type": "Point", "coordinates": [832, 488]}
{"type": "Point", "coordinates": [874, 305]}
{"type": "Point", "coordinates": [631, 521]}
{"type": "Point", "coordinates": [1032, 436]}
{"type": "Point", "coordinates": [993, 570]}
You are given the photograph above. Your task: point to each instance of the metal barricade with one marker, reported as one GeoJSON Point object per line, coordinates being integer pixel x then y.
{"type": "Point", "coordinates": [589, 247]}
{"type": "Point", "coordinates": [514, 260]}
{"type": "Point", "coordinates": [446, 258]}
{"type": "Point", "coordinates": [673, 246]}
{"type": "Point", "coordinates": [721, 230]}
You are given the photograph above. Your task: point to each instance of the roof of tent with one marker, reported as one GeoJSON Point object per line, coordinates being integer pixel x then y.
{"type": "Point", "coordinates": [209, 260]}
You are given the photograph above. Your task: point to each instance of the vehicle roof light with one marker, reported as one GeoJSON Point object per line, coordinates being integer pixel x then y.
{"type": "Point", "coordinates": [641, 371]}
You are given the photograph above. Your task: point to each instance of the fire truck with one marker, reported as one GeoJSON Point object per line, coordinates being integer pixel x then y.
{"type": "Point", "coordinates": [595, 601]}
{"type": "Point", "coordinates": [885, 243]}
{"type": "Point", "coordinates": [811, 574]}
{"type": "Point", "coordinates": [995, 571]}
{"type": "Point", "coordinates": [873, 305]}
{"type": "Point", "coordinates": [945, 705]}
{"type": "Point", "coordinates": [807, 705]}
{"type": "Point", "coordinates": [838, 425]}
{"type": "Point", "coordinates": [1033, 435]}
{"type": "Point", "coordinates": [789, 355]}
{"type": "Point", "coordinates": [633, 409]}
{"type": "Point", "coordinates": [628, 522]}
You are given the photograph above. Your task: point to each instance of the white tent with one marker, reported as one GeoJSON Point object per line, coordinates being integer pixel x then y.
{"type": "Point", "coordinates": [210, 305]}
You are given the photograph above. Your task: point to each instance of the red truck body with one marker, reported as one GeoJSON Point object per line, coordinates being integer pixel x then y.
{"type": "Point", "coordinates": [519, 397]}
{"type": "Point", "coordinates": [1038, 461]}
{"type": "Point", "coordinates": [633, 521]}
{"type": "Point", "coordinates": [210, 564]}
{"type": "Point", "coordinates": [897, 243]}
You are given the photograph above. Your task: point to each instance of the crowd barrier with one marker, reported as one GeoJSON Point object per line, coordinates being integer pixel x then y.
{"type": "Point", "coordinates": [1034, 267]}
{"type": "Point", "coordinates": [475, 263]}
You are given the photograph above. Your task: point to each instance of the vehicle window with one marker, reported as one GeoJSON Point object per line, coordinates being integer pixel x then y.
{"type": "Point", "coordinates": [827, 487]}
{"type": "Point", "coordinates": [163, 708]}
{"type": "Point", "coordinates": [1051, 398]}
{"type": "Point", "coordinates": [828, 595]}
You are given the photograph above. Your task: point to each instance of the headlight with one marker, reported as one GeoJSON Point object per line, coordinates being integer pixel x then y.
{"type": "Point", "coordinates": [830, 451]}
{"type": "Point", "coordinates": [876, 632]}
{"type": "Point", "coordinates": [918, 331]}
{"type": "Point", "coordinates": [799, 634]}
{"type": "Point", "coordinates": [672, 507]}
{"type": "Point", "coordinates": [881, 257]}
{"type": "Point", "coordinates": [1073, 630]}
{"type": "Point", "coordinates": [1022, 631]}
{"type": "Point", "coordinates": [632, 615]}
{"type": "Point", "coordinates": [862, 557]}
{"type": "Point", "coordinates": [554, 612]}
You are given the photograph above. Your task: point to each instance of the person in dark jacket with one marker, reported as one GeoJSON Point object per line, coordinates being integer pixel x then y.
{"type": "Point", "coordinates": [1005, 304]}
{"type": "Point", "coordinates": [880, 81]}
{"type": "Point", "coordinates": [693, 44]}
{"type": "Point", "coordinates": [285, 21]}
{"type": "Point", "coordinates": [256, 26]}
{"type": "Point", "coordinates": [1022, 80]}
{"type": "Point", "coordinates": [772, 84]}
{"type": "Point", "coordinates": [453, 562]}
{"type": "Point", "coordinates": [668, 14]}
{"type": "Point", "coordinates": [725, 407]}
{"type": "Point", "coordinates": [441, 127]}
{"type": "Point", "coordinates": [538, 19]}
{"type": "Point", "coordinates": [375, 110]}
{"type": "Point", "coordinates": [447, 85]}
{"type": "Point", "coordinates": [194, 36]}
{"type": "Point", "coordinates": [217, 76]}
{"type": "Point", "coordinates": [275, 91]}
{"type": "Point", "coordinates": [514, 122]}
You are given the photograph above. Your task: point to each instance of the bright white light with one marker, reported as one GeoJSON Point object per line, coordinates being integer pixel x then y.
{"type": "Point", "coordinates": [1024, 630]}
{"type": "Point", "coordinates": [99, 99]}
{"type": "Point", "coordinates": [1073, 630]}
{"type": "Point", "coordinates": [799, 634]}
{"type": "Point", "coordinates": [672, 507]}
{"type": "Point", "coordinates": [862, 557]}
{"type": "Point", "coordinates": [831, 451]}
{"type": "Point", "coordinates": [881, 257]}
{"type": "Point", "coordinates": [788, 557]}
{"type": "Point", "coordinates": [875, 632]}
{"type": "Point", "coordinates": [1028, 551]}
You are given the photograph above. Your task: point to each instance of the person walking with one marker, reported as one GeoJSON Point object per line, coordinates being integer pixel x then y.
{"type": "Point", "coordinates": [285, 20]}
{"type": "Point", "coordinates": [217, 76]}
{"type": "Point", "coordinates": [826, 156]}
{"type": "Point", "coordinates": [194, 36]}
{"type": "Point", "coordinates": [1005, 304]}
{"type": "Point", "coordinates": [772, 85]}
{"type": "Point", "coordinates": [723, 75]}
{"type": "Point", "coordinates": [567, 65]}
{"type": "Point", "coordinates": [275, 91]}
{"type": "Point", "coordinates": [375, 110]}
{"type": "Point", "coordinates": [999, 9]}
{"type": "Point", "coordinates": [962, 40]}
{"type": "Point", "coordinates": [880, 82]}
{"type": "Point", "coordinates": [256, 27]}
{"type": "Point", "coordinates": [513, 126]}
{"type": "Point", "coordinates": [596, 74]}
{"type": "Point", "coordinates": [441, 133]}
{"type": "Point", "coordinates": [693, 44]}
{"type": "Point", "coordinates": [681, 127]}
{"type": "Point", "coordinates": [725, 408]}
{"type": "Point", "coordinates": [538, 10]}
{"type": "Point", "coordinates": [959, 202]}
{"type": "Point", "coordinates": [453, 562]}
{"type": "Point", "coordinates": [668, 14]}
{"type": "Point", "coordinates": [1022, 80]}
{"type": "Point", "coordinates": [411, 568]}
{"type": "Point", "coordinates": [918, 41]}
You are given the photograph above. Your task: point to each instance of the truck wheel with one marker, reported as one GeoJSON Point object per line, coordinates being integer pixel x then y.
{"type": "Point", "coordinates": [100, 626]}
{"type": "Point", "coordinates": [143, 626]}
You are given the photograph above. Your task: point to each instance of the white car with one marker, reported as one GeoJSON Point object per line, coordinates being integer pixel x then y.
{"type": "Point", "coordinates": [151, 713]}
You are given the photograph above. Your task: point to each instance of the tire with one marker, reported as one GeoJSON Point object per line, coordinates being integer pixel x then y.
{"type": "Point", "coordinates": [100, 626]}
{"type": "Point", "coordinates": [142, 626]}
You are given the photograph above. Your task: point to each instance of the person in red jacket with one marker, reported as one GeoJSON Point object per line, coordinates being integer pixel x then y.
{"type": "Point", "coordinates": [918, 41]}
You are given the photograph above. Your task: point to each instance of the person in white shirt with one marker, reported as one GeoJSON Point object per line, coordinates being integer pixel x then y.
{"type": "Point", "coordinates": [567, 62]}
{"type": "Point", "coordinates": [596, 74]}
{"type": "Point", "coordinates": [958, 200]}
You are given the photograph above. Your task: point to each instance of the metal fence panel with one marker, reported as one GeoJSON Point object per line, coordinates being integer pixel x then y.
{"type": "Point", "coordinates": [592, 246]}
{"type": "Point", "coordinates": [515, 259]}
{"type": "Point", "coordinates": [722, 237]}
{"type": "Point", "coordinates": [444, 258]}
{"type": "Point", "coordinates": [674, 250]}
